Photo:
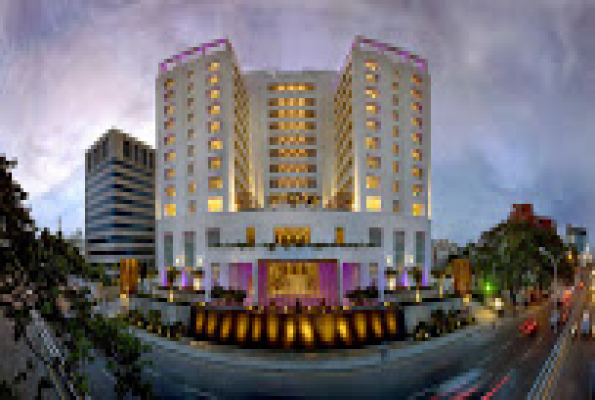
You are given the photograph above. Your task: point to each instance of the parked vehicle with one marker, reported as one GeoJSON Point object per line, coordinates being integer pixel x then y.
{"type": "Point", "coordinates": [462, 386]}
{"type": "Point", "coordinates": [529, 327]}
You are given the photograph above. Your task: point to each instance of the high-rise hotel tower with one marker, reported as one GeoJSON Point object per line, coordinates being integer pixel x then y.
{"type": "Point", "coordinates": [293, 184]}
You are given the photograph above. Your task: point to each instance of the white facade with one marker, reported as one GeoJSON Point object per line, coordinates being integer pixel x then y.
{"type": "Point", "coordinates": [293, 150]}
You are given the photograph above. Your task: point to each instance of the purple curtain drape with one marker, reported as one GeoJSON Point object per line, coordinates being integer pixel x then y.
{"type": "Point", "coordinates": [329, 282]}
{"type": "Point", "coordinates": [351, 276]}
{"type": "Point", "coordinates": [262, 284]}
{"type": "Point", "coordinates": [239, 278]}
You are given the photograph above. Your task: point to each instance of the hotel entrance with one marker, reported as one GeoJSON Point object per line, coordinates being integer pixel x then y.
{"type": "Point", "coordinates": [284, 282]}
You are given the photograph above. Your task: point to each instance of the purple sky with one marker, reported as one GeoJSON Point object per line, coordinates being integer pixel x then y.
{"type": "Point", "coordinates": [513, 89]}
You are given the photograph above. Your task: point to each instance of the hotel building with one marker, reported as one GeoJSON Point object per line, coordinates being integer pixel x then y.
{"type": "Point", "coordinates": [120, 202]}
{"type": "Point", "coordinates": [317, 162]}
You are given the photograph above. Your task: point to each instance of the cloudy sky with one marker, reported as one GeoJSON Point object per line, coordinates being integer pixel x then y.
{"type": "Point", "coordinates": [513, 89]}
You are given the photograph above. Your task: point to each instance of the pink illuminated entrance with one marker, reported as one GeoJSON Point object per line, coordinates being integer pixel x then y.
{"type": "Point", "coordinates": [312, 282]}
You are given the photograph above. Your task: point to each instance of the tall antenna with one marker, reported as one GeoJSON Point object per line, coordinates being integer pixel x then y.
{"type": "Point", "coordinates": [60, 224]}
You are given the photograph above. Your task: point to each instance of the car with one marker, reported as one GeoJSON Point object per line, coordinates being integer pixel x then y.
{"type": "Point", "coordinates": [529, 327]}
{"type": "Point", "coordinates": [555, 319]}
{"type": "Point", "coordinates": [462, 386]}
{"type": "Point", "coordinates": [586, 325]}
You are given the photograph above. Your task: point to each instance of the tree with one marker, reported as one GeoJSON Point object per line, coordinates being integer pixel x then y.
{"type": "Point", "coordinates": [34, 279]}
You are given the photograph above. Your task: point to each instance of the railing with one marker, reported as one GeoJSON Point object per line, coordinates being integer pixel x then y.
{"type": "Point", "coordinates": [547, 377]}
{"type": "Point", "coordinates": [296, 245]}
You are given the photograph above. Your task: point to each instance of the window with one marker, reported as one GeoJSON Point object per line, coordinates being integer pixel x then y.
{"type": "Point", "coordinates": [170, 210]}
{"type": "Point", "coordinates": [395, 167]}
{"type": "Point", "coordinates": [190, 169]}
{"type": "Point", "coordinates": [371, 78]}
{"type": "Point", "coordinates": [214, 79]}
{"type": "Point", "coordinates": [372, 143]}
{"type": "Point", "coordinates": [215, 203]}
{"type": "Point", "coordinates": [190, 74]}
{"type": "Point", "coordinates": [169, 249]}
{"type": "Point", "coordinates": [215, 144]}
{"type": "Point", "coordinates": [396, 149]}
{"type": "Point", "coordinates": [371, 108]}
{"type": "Point", "coordinates": [371, 93]}
{"type": "Point", "coordinates": [169, 124]}
{"type": "Point", "coordinates": [170, 156]}
{"type": "Point", "coordinates": [374, 274]}
{"type": "Point", "coordinates": [214, 162]}
{"type": "Point", "coordinates": [213, 236]}
{"type": "Point", "coordinates": [191, 102]}
{"type": "Point", "coordinates": [215, 182]}
{"type": "Point", "coordinates": [191, 87]}
{"type": "Point", "coordinates": [144, 157]}
{"type": "Point", "coordinates": [251, 235]}
{"type": "Point", "coordinates": [373, 162]}
{"type": "Point", "coordinates": [339, 235]}
{"type": "Point", "coordinates": [192, 187]}
{"type": "Point", "coordinates": [189, 243]}
{"type": "Point", "coordinates": [372, 66]}
{"type": "Point", "coordinates": [372, 182]}
{"type": "Point", "coordinates": [418, 210]}
{"type": "Point", "coordinates": [214, 126]}
{"type": "Point", "coordinates": [396, 186]}
{"type": "Point", "coordinates": [395, 100]}
{"type": "Point", "coordinates": [417, 189]}
{"type": "Point", "coordinates": [375, 235]}
{"type": "Point", "coordinates": [395, 131]}
{"type": "Point", "coordinates": [170, 173]}
{"type": "Point", "coordinates": [191, 134]}
{"type": "Point", "coordinates": [151, 160]}
{"type": "Point", "coordinates": [191, 117]}
{"type": "Point", "coordinates": [395, 116]}
{"type": "Point", "coordinates": [214, 109]}
{"type": "Point", "coordinates": [416, 93]}
{"type": "Point", "coordinates": [170, 191]}
{"type": "Point", "coordinates": [416, 122]}
{"type": "Point", "coordinates": [395, 205]}
{"type": "Point", "coordinates": [126, 149]}
{"type": "Point", "coordinates": [214, 66]}
{"type": "Point", "coordinates": [191, 150]}
{"type": "Point", "coordinates": [192, 206]}
{"type": "Point", "coordinates": [420, 247]}
{"type": "Point", "coordinates": [415, 106]}
{"type": "Point", "coordinates": [373, 203]}
{"type": "Point", "coordinates": [372, 124]}
{"type": "Point", "coordinates": [169, 110]}
{"type": "Point", "coordinates": [170, 140]}
{"type": "Point", "coordinates": [395, 85]}
{"type": "Point", "coordinates": [416, 172]}
{"type": "Point", "coordinates": [214, 93]}
{"type": "Point", "coordinates": [416, 79]}
{"type": "Point", "coordinates": [169, 82]}
{"type": "Point", "coordinates": [416, 154]}
{"type": "Point", "coordinates": [136, 152]}
{"type": "Point", "coordinates": [416, 138]}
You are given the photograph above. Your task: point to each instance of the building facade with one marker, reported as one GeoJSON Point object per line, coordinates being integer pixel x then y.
{"type": "Point", "coordinates": [331, 167]}
{"type": "Point", "coordinates": [120, 202]}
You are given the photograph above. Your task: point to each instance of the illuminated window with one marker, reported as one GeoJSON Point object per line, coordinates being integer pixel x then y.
{"type": "Point", "coordinates": [191, 150]}
{"type": "Point", "coordinates": [372, 66]}
{"type": "Point", "coordinates": [169, 124]}
{"type": "Point", "coordinates": [396, 149]}
{"type": "Point", "coordinates": [170, 191]}
{"type": "Point", "coordinates": [192, 187]}
{"type": "Point", "coordinates": [415, 106]}
{"type": "Point", "coordinates": [215, 144]}
{"type": "Point", "coordinates": [416, 93]}
{"type": "Point", "coordinates": [372, 124]}
{"type": "Point", "coordinates": [396, 186]}
{"type": "Point", "coordinates": [395, 131]}
{"type": "Point", "coordinates": [371, 108]}
{"type": "Point", "coordinates": [251, 235]}
{"type": "Point", "coordinates": [214, 94]}
{"type": "Point", "coordinates": [371, 78]}
{"type": "Point", "coordinates": [215, 203]}
{"type": "Point", "coordinates": [418, 210]}
{"type": "Point", "coordinates": [416, 138]}
{"type": "Point", "coordinates": [417, 189]}
{"type": "Point", "coordinates": [215, 182]}
{"type": "Point", "coordinates": [170, 156]}
{"type": "Point", "coordinates": [339, 235]}
{"type": "Point", "coordinates": [214, 66]}
{"type": "Point", "coordinates": [372, 182]}
{"type": "Point", "coordinates": [416, 154]}
{"type": "Point", "coordinates": [170, 173]}
{"type": "Point", "coordinates": [214, 79]}
{"type": "Point", "coordinates": [396, 206]}
{"type": "Point", "coordinates": [373, 162]}
{"type": "Point", "coordinates": [192, 206]}
{"type": "Point", "coordinates": [191, 134]}
{"type": "Point", "coordinates": [214, 162]}
{"type": "Point", "coordinates": [395, 167]}
{"type": "Point", "coordinates": [190, 74]}
{"type": "Point", "coordinates": [372, 143]}
{"type": "Point", "coordinates": [214, 126]}
{"type": "Point", "coordinates": [395, 85]}
{"type": "Point", "coordinates": [371, 93]}
{"type": "Point", "coordinates": [215, 109]}
{"type": "Point", "coordinates": [416, 122]}
{"type": "Point", "coordinates": [191, 87]}
{"type": "Point", "coordinates": [417, 173]}
{"type": "Point", "coordinates": [373, 203]}
{"type": "Point", "coordinates": [416, 79]}
{"type": "Point", "coordinates": [395, 116]}
{"type": "Point", "coordinates": [169, 210]}
{"type": "Point", "coordinates": [169, 95]}
{"type": "Point", "coordinates": [395, 100]}
{"type": "Point", "coordinates": [169, 110]}
{"type": "Point", "coordinates": [170, 140]}
{"type": "Point", "coordinates": [190, 117]}
{"type": "Point", "coordinates": [169, 82]}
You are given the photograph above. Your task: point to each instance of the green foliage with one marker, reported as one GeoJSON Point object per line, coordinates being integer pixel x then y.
{"type": "Point", "coordinates": [34, 277]}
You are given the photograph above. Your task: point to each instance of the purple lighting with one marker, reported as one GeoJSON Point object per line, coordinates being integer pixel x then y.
{"type": "Point", "coordinates": [184, 278]}
{"type": "Point", "coordinates": [164, 276]}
